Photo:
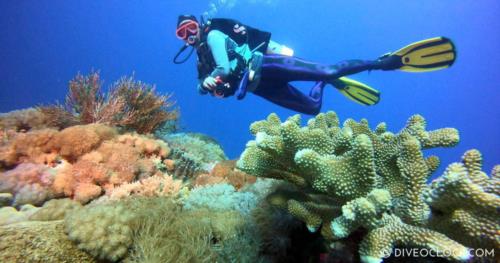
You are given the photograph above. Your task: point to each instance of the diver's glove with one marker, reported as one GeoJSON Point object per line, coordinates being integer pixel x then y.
{"type": "Point", "coordinates": [209, 83]}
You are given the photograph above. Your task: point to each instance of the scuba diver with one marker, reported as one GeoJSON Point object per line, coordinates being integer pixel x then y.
{"type": "Point", "coordinates": [234, 58]}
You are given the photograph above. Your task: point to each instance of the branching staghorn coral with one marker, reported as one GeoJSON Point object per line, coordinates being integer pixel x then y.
{"type": "Point", "coordinates": [346, 162]}
{"type": "Point", "coordinates": [466, 203]}
{"type": "Point", "coordinates": [378, 177]}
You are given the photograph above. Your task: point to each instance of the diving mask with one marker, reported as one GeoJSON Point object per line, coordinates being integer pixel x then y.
{"type": "Point", "coordinates": [187, 30]}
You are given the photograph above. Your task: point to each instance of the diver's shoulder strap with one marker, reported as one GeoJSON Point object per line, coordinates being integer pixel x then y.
{"type": "Point", "coordinates": [239, 32]}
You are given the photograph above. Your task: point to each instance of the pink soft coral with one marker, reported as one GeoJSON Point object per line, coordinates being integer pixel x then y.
{"type": "Point", "coordinates": [121, 160]}
{"type": "Point", "coordinates": [95, 158]}
{"type": "Point", "coordinates": [29, 183]}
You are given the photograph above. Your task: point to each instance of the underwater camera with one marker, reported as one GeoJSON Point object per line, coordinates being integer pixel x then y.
{"type": "Point", "coordinates": [222, 89]}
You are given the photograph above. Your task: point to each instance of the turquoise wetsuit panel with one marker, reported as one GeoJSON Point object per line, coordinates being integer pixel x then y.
{"type": "Point", "coordinates": [220, 44]}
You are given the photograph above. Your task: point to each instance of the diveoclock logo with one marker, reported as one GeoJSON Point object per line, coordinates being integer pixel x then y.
{"type": "Point", "coordinates": [424, 252]}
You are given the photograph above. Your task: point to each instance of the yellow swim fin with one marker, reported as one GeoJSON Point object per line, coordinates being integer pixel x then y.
{"type": "Point", "coordinates": [422, 56]}
{"type": "Point", "coordinates": [357, 91]}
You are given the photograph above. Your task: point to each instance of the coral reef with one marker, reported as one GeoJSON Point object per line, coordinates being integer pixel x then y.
{"type": "Point", "coordinates": [220, 197]}
{"type": "Point", "coordinates": [55, 209]}
{"type": "Point", "coordinates": [129, 104]}
{"type": "Point", "coordinates": [193, 153]}
{"type": "Point", "coordinates": [10, 215]}
{"type": "Point", "coordinates": [23, 120]}
{"type": "Point", "coordinates": [284, 238]}
{"type": "Point", "coordinates": [224, 171]}
{"type": "Point", "coordinates": [28, 183]}
{"type": "Point", "coordinates": [6, 199]}
{"type": "Point", "coordinates": [80, 162]}
{"type": "Point", "coordinates": [35, 241]}
{"type": "Point", "coordinates": [378, 178]}
{"type": "Point", "coordinates": [103, 231]}
{"type": "Point", "coordinates": [465, 203]}
{"type": "Point", "coordinates": [163, 233]}
{"type": "Point", "coordinates": [161, 185]}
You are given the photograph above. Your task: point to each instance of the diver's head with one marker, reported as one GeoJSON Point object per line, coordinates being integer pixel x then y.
{"type": "Point", "coordinates": [188, 29]}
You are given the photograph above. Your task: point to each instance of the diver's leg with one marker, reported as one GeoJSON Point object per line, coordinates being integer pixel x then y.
{"type": "Point", "coordinates": [288, 69]}
{"type": "Point", "coordinates": [286, 95]}
{"type": "Point", "coordinates": [274, 48]}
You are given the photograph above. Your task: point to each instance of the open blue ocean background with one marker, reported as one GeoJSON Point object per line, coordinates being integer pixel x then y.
{"type": "Point", "coordinates": [43, 44]}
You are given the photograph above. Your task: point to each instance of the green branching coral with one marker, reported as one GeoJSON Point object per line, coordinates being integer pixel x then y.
{"type": "Point", "coordinates": [379, 242]}
{"type": "Point", "coordinates": [466, 203]}
{"type": "Point", "coordinates": [350, 161]}
{"type": "Point", "coordinates": [379, 179]}
{"type": "Point", "coordinates": [363, 211]}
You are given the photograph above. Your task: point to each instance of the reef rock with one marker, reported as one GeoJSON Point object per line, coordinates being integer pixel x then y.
{"type": "Point", "coordinates": [35, 241]}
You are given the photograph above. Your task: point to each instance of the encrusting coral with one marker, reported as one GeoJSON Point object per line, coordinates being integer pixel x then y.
{"type": "Point", "coordinates": [55, 209]}
{"type": "Point", "coordinates": [377, 177]}
{"type": "Point", "coordinates": [10, 215]}
{"type": "Point", "coordinates": [36, 241]}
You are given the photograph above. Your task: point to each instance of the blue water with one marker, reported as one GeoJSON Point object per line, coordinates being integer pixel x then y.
{"type": "Point", "coordinates": [43, 44]}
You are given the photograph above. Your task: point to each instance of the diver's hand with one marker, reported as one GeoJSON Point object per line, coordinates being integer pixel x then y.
{"type": "Point", "coordinates": [210, 83]}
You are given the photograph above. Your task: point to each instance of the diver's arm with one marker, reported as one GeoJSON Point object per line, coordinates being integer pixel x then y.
{"type": "Point", "coordinates": [217, 42]}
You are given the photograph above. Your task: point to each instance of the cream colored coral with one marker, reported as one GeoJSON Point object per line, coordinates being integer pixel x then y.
{"type": "Point", "coordinates": [160, 185]}
{"type": "Point", "coordinates": [55, 209]}
{"type": "Point", "coordinates": [380, 242]}
{"type": "Point", "coordinates": [104, 231]}
{"type": "Point", "coordinates": [466, 203]}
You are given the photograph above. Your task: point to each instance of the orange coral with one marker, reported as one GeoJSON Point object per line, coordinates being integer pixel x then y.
{"type": "Point", "coordinates": [224, 171]}
{"type": "Point", "coordinates": [169, 164]}
{"type": "Point", "coordinates": [95, 158]}
{"type": "Point", "coordinates": [73, 142]}
{"type": "Point", "coordinates": [28, 147]}
{"type": "Point", "coordinates": [207, 179]}
{"type": "Point", "coordinates": [121, 160]}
